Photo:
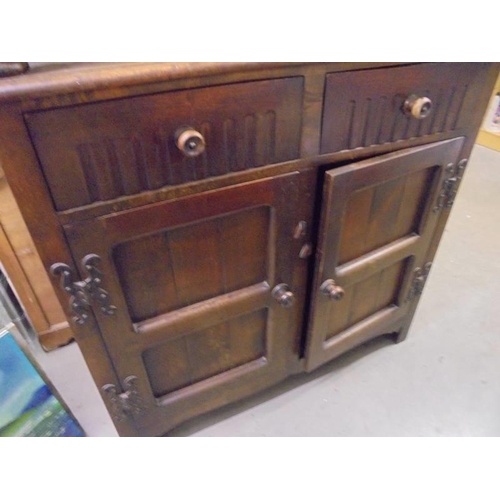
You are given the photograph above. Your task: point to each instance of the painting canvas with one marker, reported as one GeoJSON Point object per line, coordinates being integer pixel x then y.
{"type": "Point", "coordinates": [28, 406]}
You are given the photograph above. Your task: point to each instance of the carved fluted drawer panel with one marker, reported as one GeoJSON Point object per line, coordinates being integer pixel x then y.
{"type": "Point", "coordinates": [364, 108]}
{"type": "Point", "coordinates": [102, 151]}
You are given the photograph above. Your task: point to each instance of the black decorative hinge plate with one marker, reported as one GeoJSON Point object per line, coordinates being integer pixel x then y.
{"type": "Point", "coordinates": [83, 293]}
{"type": "Point", "coordinates": [419, 278]}
{"type": "Point", "coordinates": [124, 404]}
{"type": "Point", "coordinates": [450, 184]}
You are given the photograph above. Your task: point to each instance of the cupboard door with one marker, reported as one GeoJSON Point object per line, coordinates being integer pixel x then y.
{"type": "Point", "coordinates": [196, 323]}
{"type": "Point", "coordinates": [377, 221]}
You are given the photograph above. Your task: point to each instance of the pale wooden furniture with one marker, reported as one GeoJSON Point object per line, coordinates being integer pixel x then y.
{"type": "Point", "coordinates": [26, 273]}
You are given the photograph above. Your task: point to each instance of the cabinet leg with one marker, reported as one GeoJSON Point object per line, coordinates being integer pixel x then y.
{"type": "Point", "coordinates": [401, 334]}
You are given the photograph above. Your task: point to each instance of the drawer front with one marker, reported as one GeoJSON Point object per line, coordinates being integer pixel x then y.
{"type": "Point", "coordinates": [101, 151]}
{"type": "Point", "coordinates": [364, 108]}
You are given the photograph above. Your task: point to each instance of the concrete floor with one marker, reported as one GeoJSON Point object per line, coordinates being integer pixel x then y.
{"type": "Point", "coordinates": [444, 380]}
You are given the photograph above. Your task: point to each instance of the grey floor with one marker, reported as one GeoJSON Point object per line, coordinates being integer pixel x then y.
{"type": "Point", "coordinates": [443, 381]}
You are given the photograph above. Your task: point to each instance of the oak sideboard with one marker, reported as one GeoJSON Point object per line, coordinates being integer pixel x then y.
{"type": "Point", "coordinates": [211, 229]}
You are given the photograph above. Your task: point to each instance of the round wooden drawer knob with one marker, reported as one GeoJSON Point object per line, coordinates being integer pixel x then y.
{"type": "Point", "coordinates": [190, 141]}
{"type": "Point", "coordinates": [283, 295]}
{"type": "Point", "coordinates": [418, 107]}
{"type": "Point", "coordinates": [332, 290]}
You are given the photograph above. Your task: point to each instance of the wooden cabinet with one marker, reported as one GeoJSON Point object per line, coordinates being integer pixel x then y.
{"type": "Point", "coordinates": [213, 232]}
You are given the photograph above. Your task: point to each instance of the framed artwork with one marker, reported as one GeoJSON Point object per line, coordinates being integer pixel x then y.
{"type": "Point", "coordinates": [29, 406]}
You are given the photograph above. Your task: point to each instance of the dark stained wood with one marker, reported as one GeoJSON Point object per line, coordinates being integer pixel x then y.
{"type": "Point", "coordinates": [28, 186]}
{"type": "Point", "coordinates": [381, 323]}
{"type": "Point", "coordinates": [381, 214]}
{"type": "Point", "coordinates": [194, 262]}
{"type": "Point", "coordinates": [76, 83]}
{"type": "Point", "coordinates": [385, 209]}
{"type": "Point", "coordinates": [247, 340]}
{"type": "Point", "coordinates": [205, 353]}
{"type": "Point", "coordinates": [191, 253]}
{"type": "Point", "coordinates": [168, 366]}
{"type": "Point", "coordinates": [378, 274]}
{"type": "Point", "coordinates": [312, 111]}
{"type": "Point", "coordinates": [362, 267]}
{"type": "Point", "coordinates": [390, 284]}
{"type": "Point", "coordinates": [140, 276]}
{"type": "Point", "coordinates": [197, 316]}
{"type": "Point", "coordinates": [81, 149]}
{"type": "Point", "coordinates": [415, 188]}
{"type": "Point", "coordinates": [217, 255]}
{"type": "Point", "coordinates": [172, 192]}
{"type": "Point", "coordinates": [365, 108]}
{"type": "Point", "coordinates": [243, 240]}
{"type": "Point", "coordinates": [355, 227]}
{"type": "Point", "coordinates": [364, 298]}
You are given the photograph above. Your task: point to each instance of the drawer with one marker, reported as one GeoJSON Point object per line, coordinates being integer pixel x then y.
{"type": "Point", "coordinates": [97, 152]}
{"type": "Point", "coordinates": [364, 108]}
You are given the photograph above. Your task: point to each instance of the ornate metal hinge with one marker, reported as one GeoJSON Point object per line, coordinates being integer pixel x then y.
{"type": "Point", "coordinates": [84, 292]}
{"type": "Point", "coordinates": [419, 278]}
{"type": "Point", "coordinates": [450, 184]}
{"type": "Point", "coordinates": [127, 403]}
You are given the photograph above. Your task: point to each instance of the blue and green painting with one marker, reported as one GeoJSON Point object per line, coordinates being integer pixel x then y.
{"type": "Point", "coordinates": [27, 406]}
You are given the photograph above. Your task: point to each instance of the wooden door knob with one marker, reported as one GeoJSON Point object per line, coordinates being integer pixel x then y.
{"type": "Point", "coordinates": [418, 107]}
{"type": "Point", "coordinates": [190, 141]}
{"type": "Point", "coordinates": [283, 295]}
{"type": "Point", "coordinates": [332, 290]}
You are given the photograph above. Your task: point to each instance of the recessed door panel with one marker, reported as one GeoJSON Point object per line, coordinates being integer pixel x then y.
{"type": "Point", "coordinates": [380, 214]}
{"type": "Point", "coordinates": [194, 262]}
{"type": "Point", "coordinates": [366, 297]}
{"type": "Point", "coordinates": [199, 355]}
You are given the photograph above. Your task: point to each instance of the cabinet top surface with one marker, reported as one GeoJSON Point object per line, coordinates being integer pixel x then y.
{"type": "Point", "coordinates": [46, 79]}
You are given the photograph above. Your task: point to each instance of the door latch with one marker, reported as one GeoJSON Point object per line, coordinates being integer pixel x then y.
{"type": "Point", "coordinates": [83, 293]}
